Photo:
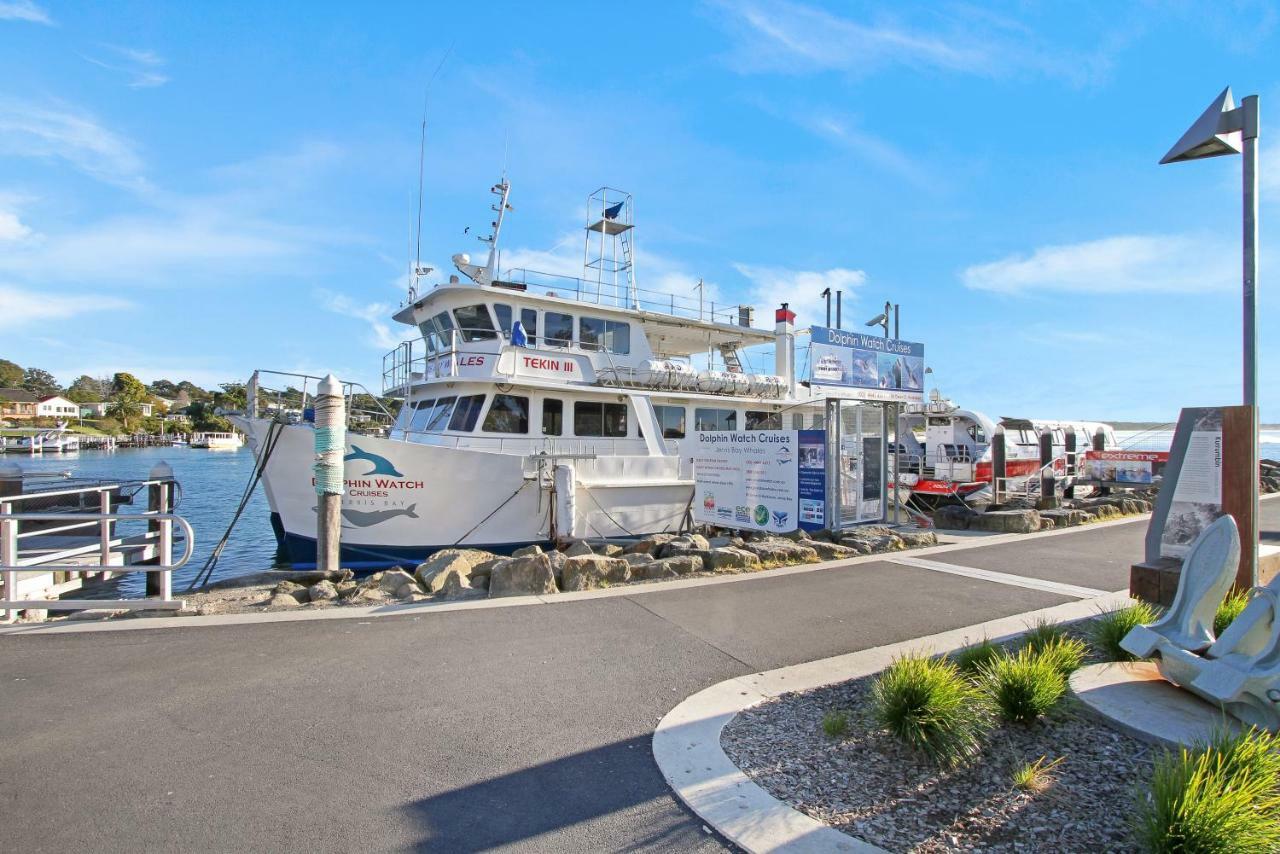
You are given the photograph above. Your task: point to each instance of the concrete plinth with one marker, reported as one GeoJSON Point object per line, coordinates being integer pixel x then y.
{"type": "Point", "coordinates": [1134, 698]}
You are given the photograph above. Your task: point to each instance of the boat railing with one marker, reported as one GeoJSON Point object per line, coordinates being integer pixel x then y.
{"type": "Point", "coordinates": [597, 292]}
{"type": "Point", "coordinates": [364, 408]}
{"type": "Point", "coordinates": [584, 446]}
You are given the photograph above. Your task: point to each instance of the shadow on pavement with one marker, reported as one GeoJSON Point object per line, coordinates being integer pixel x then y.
{"type": "Point", "coordinates": [592, 785]}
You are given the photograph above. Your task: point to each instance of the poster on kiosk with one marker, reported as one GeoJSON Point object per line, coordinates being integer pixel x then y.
{"type": "Point", "coordinates": [760, 480]}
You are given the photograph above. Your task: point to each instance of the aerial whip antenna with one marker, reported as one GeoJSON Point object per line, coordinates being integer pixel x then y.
{"type": "Point", "coordinates": [418, 269]}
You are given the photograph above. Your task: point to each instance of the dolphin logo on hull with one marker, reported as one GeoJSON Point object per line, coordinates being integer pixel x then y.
{"type": "Point", "coordinates": [381, 465]}
{"type": "Point", "coordinates": [367, 518]}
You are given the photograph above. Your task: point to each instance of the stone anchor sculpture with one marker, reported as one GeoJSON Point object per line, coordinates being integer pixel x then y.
{"type": "Point", "coordinates": [1239, 671]}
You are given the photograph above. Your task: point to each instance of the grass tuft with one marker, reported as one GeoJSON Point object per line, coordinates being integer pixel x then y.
{"type": "Point", "coordinates": [1110, 627]}
{"type": "Point", "coordinates": [972, 658]}
{"type": "Point", "coordinates": [1066, 654]}
{"type": "Point", "coordinates": [1036, 777]}
{"type": "Point", "coordinates": [1024, 686]}
{"type": "Point", "coordinates": [835, 724]}
{"type": "Point", "coordinates": [1229, 610]}
{"type": "Point", "coordinates": [1224, 797]}
{"type": "Point", "coordinates": [932, 707]}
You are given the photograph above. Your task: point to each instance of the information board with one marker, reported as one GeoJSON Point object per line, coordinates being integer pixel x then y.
{"type": "Point", "coordinates": [811, 479]}
{"type": "Point", "coordinates": [747, 480]}
{"type": "Point", "coordinates": [881, 369]}
{"type": "Point", "coordinates": [1197, 493]}
{"type": "Point", "coordinates": [1125, 467]}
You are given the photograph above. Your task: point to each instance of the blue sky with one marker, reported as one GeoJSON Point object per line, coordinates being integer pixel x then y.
{"type": "Point", "coordinates": [195, 190]}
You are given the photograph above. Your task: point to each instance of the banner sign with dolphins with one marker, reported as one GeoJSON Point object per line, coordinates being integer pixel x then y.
{"type": "Point", "coordinates": [873, 367]}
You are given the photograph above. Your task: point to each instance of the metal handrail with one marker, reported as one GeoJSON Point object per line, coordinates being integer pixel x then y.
{"type": "Point", "coordinates": [188, 541]}
{"type": "Point", "coordinates": [82, 490]}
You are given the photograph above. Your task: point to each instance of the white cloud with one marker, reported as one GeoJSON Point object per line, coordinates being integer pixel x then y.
{"type": "Point", "coordinates": [802, 289]}
{"type": "Point", "coordinates": [142, 66]}
{"type": "Point", "coordinates": [19, 307]}
{"type": "Point", "coordinates": [794, 38]}
{"type": "Point", "coordinates": [1127, 263]}
{"type": "Point", "coordinates": [375, 314]}
{"type": "Point", "coordinates": [23, 10]}
{"type": "Point", "coordinates": [870, 147]}
{"type": "Point", "coordinates": [11, 228]}
{"type": "Point", "coordinates": [32, 130]}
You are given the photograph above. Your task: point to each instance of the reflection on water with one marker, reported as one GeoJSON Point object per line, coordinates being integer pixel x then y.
{"type": "Point", "coordinates": [212, 483]}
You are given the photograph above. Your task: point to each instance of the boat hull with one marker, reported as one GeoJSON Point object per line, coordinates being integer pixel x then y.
{"type": "Point", "coordinates": [404, 500]}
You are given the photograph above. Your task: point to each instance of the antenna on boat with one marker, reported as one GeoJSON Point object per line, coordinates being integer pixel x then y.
{"type": "Point", "coordinates": [418, 270]}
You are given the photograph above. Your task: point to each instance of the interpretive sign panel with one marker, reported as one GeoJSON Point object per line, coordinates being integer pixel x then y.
{"type": "Point", "coordinates": [879, 369]}
{"type": "Point", "coordinates": [746, 480]}
{"type": "Point", "coordinates": [1197, 494]}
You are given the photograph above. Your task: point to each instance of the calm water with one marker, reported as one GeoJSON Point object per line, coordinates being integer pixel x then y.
{"type": "Point", "coordinates": [212, 482]}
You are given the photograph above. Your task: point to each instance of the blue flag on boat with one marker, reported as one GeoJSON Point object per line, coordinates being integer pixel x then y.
{"type": "Point", "coordinates": [518, 336]}
{"type": "Point", "coordinates": [613, 211]}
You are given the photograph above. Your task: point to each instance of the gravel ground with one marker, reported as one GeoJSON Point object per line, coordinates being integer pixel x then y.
{"type": "Point", "coordinates": [869, 785]}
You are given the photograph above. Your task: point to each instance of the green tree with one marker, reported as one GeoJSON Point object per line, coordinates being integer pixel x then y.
{"type": "Point", "coordinates": [86, 389]}
{"type": "Point", "coordinates": [10, 374]}
{"type": "Point", "coordinates": [194, 391]}
{"type": "Point", "coordinates": [127, 396]}
{"type": "Point", "coordinates": [163, 388]}
{"type": "Point", "coordinates": [205, 420]}
{"type": "Point", "coordinates": [41, 382]}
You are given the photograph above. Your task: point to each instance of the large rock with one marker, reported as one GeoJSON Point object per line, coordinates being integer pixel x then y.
{"type": "Point", "coordinates": [433, 574]}
{"type": "Point", "coordinates": [558, 560]}
{"type": "Point", "coordinates": [522, 576]}
{"type": "Point", "coordinates": [527, 551]}
{"type": "Point", "coordinates": [483, 570]}
{"type": "Point", "coordinates": [289, 588]}
{"type": "Point", "coordinates": [587, 572]}
{"type": "Point", "coordinates": [579, 549]}
{"type": "Point", "coordinates": [650, 545]}
{"type": "Point", "coordinates": [831, 551]}
{"type": "Point", "coordinates": [449, 581]}
{"type": "Point", "coordinates": [778, 551]}
{"type": "Point", "coordinates": [609, 550]}
{"type": "Point", "coordinates": [721, 542]}
{"type": "Point", "coordinates": [1006, 521]}
{"type": "Point", "coordinates": [323, 591]}
{"type": "Point", "coordinates": [393, 579]}
{"type": "Point", "coordinates": [917, 539]}
{"type": "Point", "coordinates": [874, 541]}
{"type": "Point", "coordinates": [638, 559]}
{"type": "Point", "coordinates": [953, 517]}
{"type": "Point", "coordinates": [283, 600]}
{"type": "Point", "coordinates": [1063, 518]}
{"type": "Point", "coordinates": [730, 559]}
{"type": "Point", "coordinates": [672, 567]}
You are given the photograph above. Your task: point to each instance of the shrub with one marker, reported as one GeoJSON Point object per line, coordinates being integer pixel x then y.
{"type": "Point", "coordinates": [1229, 610]}
{"type": "Point", "coordinates": [1024, 686]}
{"type": "Point", "coordinates": [1066, 654]}
{"type": "Point", "coordinates": [972, 658]}
{"type": "Point", "coordinates": [928, 704]}
{"type": "Point", "coordinates": [1036, 776]}
{"type": "Point", "coordinates": [835, 724]}
{"type": "Point", "coordinates": [1110, 627]}
{"type": "Point", "coordinates": [1042, 634]}
{"type": "Point", "coordinates": [1224, 797]}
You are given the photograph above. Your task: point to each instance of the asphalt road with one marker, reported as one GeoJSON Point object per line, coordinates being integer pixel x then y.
{"type": "Point", "coordinates": [497, 729]}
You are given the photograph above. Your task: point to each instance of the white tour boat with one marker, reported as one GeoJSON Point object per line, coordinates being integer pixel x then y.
{"type": "Point", "coordinates": [538, 408]}
{"type": "Point", "coordinates": [217, 441]}
{"type": "Point", "coordinates": [946, 451]}
{"type": "Point", "coordinates": [54, 440]}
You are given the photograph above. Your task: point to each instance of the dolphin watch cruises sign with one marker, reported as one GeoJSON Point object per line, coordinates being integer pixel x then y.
{"type": "Point", "coordinates": [871, 367]}
{"type": "Point", "coordinates": [374, 490]}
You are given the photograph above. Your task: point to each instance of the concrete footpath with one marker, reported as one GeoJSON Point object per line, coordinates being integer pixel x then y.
{"type": "Point", "coordinates": [511, 728]}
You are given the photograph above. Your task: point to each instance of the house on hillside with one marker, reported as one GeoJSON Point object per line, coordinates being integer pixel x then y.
{"type": "Point", "coordinates": [101, 408]}
{"type": "Point", "coordinates": [18, 404]}
{"type": "Point", "coordinates": [57, 406]}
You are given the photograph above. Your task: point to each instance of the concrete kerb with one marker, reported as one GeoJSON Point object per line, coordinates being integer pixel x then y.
{"type": "Point", "coordinates": [421, 608]}
{"type": "Point", "coordinates": [686, 744]}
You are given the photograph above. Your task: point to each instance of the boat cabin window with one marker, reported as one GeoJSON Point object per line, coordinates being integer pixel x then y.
{"type": "Point", "coordinates": [475, 323]}
{"type": "Point", "coordinates": [599, 419]}
{"type": "Point", "coordinates": [939, 422]}
{"type": "Point", "coordinates": [552, 417]}
{"type": "Point", "coordinates": [797, 421]}
{"type": "Point", "coordinates": [715, 419]}
{"type": "Point", "coordinates": [529, 319]}
{"type": "Point", "coordinates": [440, 414]}
{"type": "Point", "coordinates": [466, 413]}
{"type": "Point", "coordinates": [421, 414]}
{"type": "Point", "coordinates": [443, 326]}
{"type": "Point", "coordinates": [503, 314]}
{"type": "Point", "coordinates": [671, 419]}
{"type": "Point", "coordinates": [764, 420]}
{"type": "Point", "coordinates": [559, 331]}
{"type": "Point", "coordinates": [509, 413]}
{"type": "Point", "coordinates": [977, 434]}
{"type": "Point", "coordinates": [612, 336]}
